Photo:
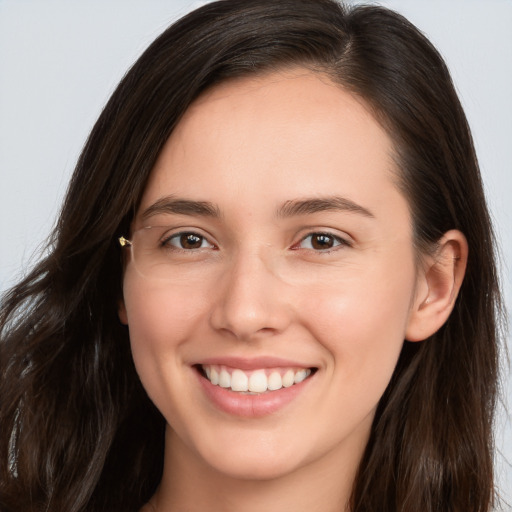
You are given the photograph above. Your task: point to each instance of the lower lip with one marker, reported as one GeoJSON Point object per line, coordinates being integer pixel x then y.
{"type": "Point", "coordinates": [251, 406]}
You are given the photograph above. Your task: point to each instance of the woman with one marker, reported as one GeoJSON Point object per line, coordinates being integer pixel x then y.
{"type": "Point", "coordinates": [277, 195]}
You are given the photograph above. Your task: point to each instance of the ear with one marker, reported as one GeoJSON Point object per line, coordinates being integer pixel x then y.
{"type": "Point", "coordinates": [439, 282]}
{"type": "Point", "coordinates": [121, 312]}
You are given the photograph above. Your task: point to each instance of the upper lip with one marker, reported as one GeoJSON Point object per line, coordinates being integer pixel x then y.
{"type": "Point", "coordinates": [253, 363]}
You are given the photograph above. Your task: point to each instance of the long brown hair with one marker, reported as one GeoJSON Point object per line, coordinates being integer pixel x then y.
{"type": "Point", "coordinates": [78, 432]}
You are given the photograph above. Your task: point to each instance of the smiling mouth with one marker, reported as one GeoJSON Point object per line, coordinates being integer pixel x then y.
{"type": "Point", "coordinates": [254, 382]}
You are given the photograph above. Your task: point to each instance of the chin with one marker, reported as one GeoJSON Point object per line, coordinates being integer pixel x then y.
{"type": "Point", "coordinates": [253, 467]}
{"type": "Point", "coordinates": [246, 454]}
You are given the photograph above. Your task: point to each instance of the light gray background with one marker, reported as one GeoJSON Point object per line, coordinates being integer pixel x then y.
{"type": "Point", "coordinates": [61, 59]}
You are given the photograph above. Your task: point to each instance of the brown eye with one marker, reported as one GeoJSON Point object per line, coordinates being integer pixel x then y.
{"type": "Point", "coordinates": [188, 241]}
{"type": "Point", "coordinates": [321, 242]}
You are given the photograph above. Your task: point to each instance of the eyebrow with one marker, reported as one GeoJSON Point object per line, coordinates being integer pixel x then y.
{"type": "Point", "coordinates": [178, 206]}
{"type": "Point", "coordinates": [321, 204]}
{"type": "Point", "coordinates": [297, 207]}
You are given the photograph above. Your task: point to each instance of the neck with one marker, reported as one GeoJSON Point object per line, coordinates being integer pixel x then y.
{"type": "Point", "coordinates": [188, 483]}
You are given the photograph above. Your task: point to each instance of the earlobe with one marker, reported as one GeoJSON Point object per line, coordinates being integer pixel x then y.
{"type": "Point", "coordinates": [121, 312]}
{"type": "Point", "coordinates": [438, 286]}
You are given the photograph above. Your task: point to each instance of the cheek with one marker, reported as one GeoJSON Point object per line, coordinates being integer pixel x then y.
{"type": "Point", "coordinates": [161, 312]}
{"type": "Point", "coordinates": [361, 320]}
{"type": "Point", "coordinates": [160, 319]}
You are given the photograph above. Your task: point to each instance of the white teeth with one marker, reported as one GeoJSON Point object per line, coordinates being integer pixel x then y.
{"type": "Point", "coordinates": [288, 378]}
{"type": "Point", "coordinates": [274, 381]}
{"type": "Point", "coordinates": [224, 379]}
{"type": "Point", "coordinates": [239, 381]}
{"type": "Point", "coordinates": [300, 376]}
{"type": "Point", "coordinates": [256, 382]}
{"type": "Point", "coordinates": [214, 376]}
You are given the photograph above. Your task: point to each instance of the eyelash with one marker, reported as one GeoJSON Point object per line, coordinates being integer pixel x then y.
{"type": "Point", "coordinates": [338, 242]}
{"type": "Point", "coordinates": [166, 242]}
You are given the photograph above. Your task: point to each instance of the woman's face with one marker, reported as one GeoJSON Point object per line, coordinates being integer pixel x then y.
{"type": "Point", "coordinates": [288, 254]}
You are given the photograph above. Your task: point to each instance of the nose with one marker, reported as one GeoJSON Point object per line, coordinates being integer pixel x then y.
{"type": "Point", "coordinates": [251, 300]}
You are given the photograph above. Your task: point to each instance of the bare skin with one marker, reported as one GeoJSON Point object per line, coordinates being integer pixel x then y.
{"type": "Point", "coordinates": [331, 286]}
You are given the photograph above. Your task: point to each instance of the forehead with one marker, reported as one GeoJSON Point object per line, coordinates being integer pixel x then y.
{"type": "Point", "coordinates": [278, 102]}
{"type": "Point", "coordinates": [282, 135]}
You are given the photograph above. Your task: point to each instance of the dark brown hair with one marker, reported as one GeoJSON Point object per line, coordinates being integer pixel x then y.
{"type": "Point", "coordinates": [78, 432]}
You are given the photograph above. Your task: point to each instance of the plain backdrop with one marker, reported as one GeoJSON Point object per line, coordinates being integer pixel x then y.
{"type": "Point", "coordinates": [61, 59]}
